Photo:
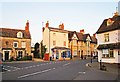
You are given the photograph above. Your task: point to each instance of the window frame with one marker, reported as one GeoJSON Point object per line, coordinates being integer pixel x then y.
{"type": "Point", "coordinates": [106, 37]}
{"type": "Point", "coordinates": [14, 44]}
{"type": "Point", "coordinates": [23, 44]}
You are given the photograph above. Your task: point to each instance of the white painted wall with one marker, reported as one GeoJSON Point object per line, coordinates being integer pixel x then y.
{"type": "Point", "coordinates": [113, 37]}
{"type": "Point", "coordinates": [46, 39]}
{"type": "Point", "coordinates": [59, 38]}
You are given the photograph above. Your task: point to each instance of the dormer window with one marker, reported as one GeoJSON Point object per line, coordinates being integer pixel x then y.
{"type": "Point", "coordinates": [109, 22]}
{"type": "Point", "coordinates": [19, 35]}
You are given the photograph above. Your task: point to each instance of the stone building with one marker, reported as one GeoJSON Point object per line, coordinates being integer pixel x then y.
{"type": "Point", "coordinates": [15, 42]}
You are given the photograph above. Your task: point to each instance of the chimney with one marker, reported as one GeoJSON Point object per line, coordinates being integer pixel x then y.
{"type": "Point", "coordinates": [27, 26]}
{"type": "Point", "coordinates": [47, 24]}
{"type": "Point", "coordinates": [94, 35]}
{"type": "Point", "coordinates": [82, 31]}
{"type": "Point", "coordinates": [61, 26]}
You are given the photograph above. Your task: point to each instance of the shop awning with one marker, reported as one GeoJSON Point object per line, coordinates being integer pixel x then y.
{"type": "Point", "coordinates": [60, 48]}
{"type": "Point", "coordinates": [109, 46]}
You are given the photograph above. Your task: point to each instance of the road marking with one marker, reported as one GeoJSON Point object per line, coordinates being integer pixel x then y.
{"type": "Point", "coordinates": [34, 73]}
{"type": "Point", "coordinates": [53, 68]}
{"type": "Point", "coordinates": [6, 69]}
{"type": "Point", "coordinates": [82, 72]}
{"type": "Point", "coordinates": [66, 64]}
{"type": "Point", "coordinates": [38, 65]}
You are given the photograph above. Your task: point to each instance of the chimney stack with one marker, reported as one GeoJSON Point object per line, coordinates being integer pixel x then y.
{"type": "Point", "coordinates": [94, 35]}
{"type": "Point", "coordinates": [47, 24]}
{"type": "Point", "coordinates": [27, 26]}
{"type": "Point", "coordinates": [61, 26]}
{"type": "Point", "coordinates": [82, 31]}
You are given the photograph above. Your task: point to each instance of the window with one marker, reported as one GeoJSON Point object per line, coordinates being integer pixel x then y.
{"type": "Point", "coordinates": [54, 42]}
{"type": "Point", "coordinates": [19, 35]}
{"type": "Point", "coordinates": [107, 53]}
{"type": "Point", "coordinates": [64, 35]}
{"type": "Point", "coordinates": [64, 43]}
{"type": "Point", "coordinates": [54, 34]}
{"type": "Point", "coordinates": [7, 43]}
{"type": "Point", "coordinates": [111, 53]}
{"type": "Point", "coordinates": [74, 42]}
{"type": "Point", "coordinates": [15, 44]}
{"type": "Point", "coordinates": [106, 36]}
{"type": "Point", "coordinates": [23, 44]}
{"type": "Point", "coordinates": [119, 52]}
{"type": "Point", "coordinates": [75, 52]}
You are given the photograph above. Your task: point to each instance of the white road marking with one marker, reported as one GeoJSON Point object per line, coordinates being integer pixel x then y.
{"type": "Point", "coordinates": [66, 64]}
{"type": "Point", "coordinates": [6, 69]}
{"type": "Point", "coordinates": [82, 72]}
{"type": "Point", "coordinates": [53, 68]}
{"type": "Point", "coordinates": [34, 73]}
{"type": "Point", "coordinates": [38, 65]}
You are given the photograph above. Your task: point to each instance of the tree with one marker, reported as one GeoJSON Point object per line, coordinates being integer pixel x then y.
{"type": "Point", "coordinates": [36, 50]}
{"type": "Point", "coordinates": [42, 49]}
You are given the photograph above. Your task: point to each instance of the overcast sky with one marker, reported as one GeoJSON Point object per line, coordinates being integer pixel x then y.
{"type": "Point", "coordinates": [74, 14]}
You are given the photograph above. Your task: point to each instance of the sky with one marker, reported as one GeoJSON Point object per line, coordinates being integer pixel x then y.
{"type": "Point", "coordinates": [75, 15]}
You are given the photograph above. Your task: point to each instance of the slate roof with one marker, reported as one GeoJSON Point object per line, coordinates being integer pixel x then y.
{"type": "Point", "coordinates": [12, 33]}
{"type": "Point", "coordinates": [115, 26]}
{"type": "Point", "coordinates": [81, 37]}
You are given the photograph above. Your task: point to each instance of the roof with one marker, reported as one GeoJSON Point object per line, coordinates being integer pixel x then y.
{"type": "Point", "coordinates": [55, 29]}
{"type": "Point", "coordinates": [82, 37]}
{"type": "Point", "coordinates": [109, 46]}
{"type": "Point", "coordinates": [12, 33]}
{"type": "Point", "coordinates": [115, 26]}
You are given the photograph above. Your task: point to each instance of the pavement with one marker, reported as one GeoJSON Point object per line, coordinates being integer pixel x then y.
{"type": "Point", "coordinates": [111, 68]}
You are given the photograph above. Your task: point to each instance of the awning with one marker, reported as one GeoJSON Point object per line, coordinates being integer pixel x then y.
{"type": "Point", "coordinates": [109, 46]}
{"type": "Point", "coordinates": [60, 48]}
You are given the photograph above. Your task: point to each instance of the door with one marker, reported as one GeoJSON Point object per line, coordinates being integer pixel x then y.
{"type": "Point", "coordinates": [6, 55]}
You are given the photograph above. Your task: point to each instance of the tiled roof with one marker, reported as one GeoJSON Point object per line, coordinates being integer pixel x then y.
{"type": "Point", "coordinates": [12, 33]}
{"type": "Point", "coordinates": [104, 28]}
{"type": "Point", "coordinates": [82, 37]}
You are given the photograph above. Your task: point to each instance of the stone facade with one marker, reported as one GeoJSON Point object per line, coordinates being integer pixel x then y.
{"type": "Point", "coordinates": [15, 42]}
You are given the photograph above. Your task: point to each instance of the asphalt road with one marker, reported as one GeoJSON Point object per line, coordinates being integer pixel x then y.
{"type": "Point", "coordinates": [54, 70]}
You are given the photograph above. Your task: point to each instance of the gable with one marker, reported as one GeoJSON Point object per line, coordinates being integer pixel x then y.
{"type": "Point", "coordinates": [88, 38]}
{"type": "Point", "coordinates": [74, 36]}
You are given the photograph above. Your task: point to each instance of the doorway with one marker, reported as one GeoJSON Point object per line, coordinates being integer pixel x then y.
{"type": "Point", "coordinates": [6, 55]}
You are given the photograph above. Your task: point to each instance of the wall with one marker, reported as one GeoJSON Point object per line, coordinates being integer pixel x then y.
{"type": "Point", "coordinates": [113, 37]}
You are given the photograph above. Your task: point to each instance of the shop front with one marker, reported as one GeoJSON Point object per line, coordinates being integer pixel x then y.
{"type": "Point", "coordinates": [60, 53]}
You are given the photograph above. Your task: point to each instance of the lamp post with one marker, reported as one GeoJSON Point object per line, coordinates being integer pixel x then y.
{"type": "Point", "coordinates": [71, 50]}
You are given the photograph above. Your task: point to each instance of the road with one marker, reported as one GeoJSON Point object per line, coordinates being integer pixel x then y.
{"type": "Point", "coordinates": [54, 70]}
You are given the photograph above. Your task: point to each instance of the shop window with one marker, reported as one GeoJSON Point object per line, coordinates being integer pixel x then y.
{"type": "Point", "coordinates": [108, 53]}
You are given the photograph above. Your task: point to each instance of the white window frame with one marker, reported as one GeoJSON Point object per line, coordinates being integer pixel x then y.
{"type": "Point", "coordinates": [19, 35]}
{"type": "Point", "coordinates": [14, 43]}
{"type": "Point", "coordinates": [23, 44]}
